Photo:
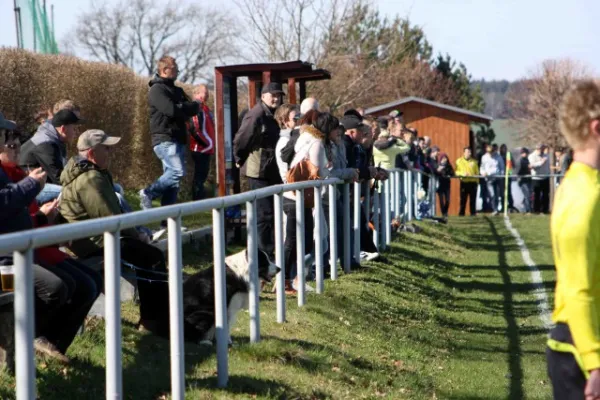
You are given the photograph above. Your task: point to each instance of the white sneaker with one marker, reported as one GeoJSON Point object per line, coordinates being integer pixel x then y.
{"type": "Point", "coordinates": [368, 256]}
{"type": "Point", "coordinates": [158, 234]}
{"type": "Point", "coordinates": [145, 200]}
{"type": "Point", "coordinates": [307, 288]}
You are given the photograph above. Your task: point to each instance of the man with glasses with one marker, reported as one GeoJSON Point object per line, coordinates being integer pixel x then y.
{"type": "Point", "coordinates": [170, 108]}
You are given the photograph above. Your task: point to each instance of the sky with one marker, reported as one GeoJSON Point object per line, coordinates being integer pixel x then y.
{"type": "Point", "coordinates": [495, 39]}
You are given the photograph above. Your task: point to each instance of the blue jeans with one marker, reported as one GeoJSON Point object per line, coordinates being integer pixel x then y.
{"type": "Point", "coordinates": [526, 189]}
{"type": "Point", "coordinates": [48, 193]}
{"type": "Point", "coordinates": [494, 185]}
{"type": "Point", "coordinates": [166, 187]}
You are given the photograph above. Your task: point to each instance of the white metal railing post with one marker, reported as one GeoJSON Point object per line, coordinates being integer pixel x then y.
{"type": "Point", "coordinates": [383, 207]}
{"type": "Point", "coordinates": [24, 309]}
{"type": "Point", "coordinates": [388, 218]}
{"type": "Point", "coordinates": [397, 193]}
{"type": "Point", "coordinates": [221, 328]}
{"type": "Point", "coordinates": [431, 192]}
{"type": "Point", "coordinates": [254, 292]}
{"type": "Point", "coordinates": [300, 248]}
{"type": "Point", "coordinates": [367, 199]}
{"type": "Point", "coordinates": [392, 193]}
{"type": "Point", "coordinates": [356, 221]}
{"type": "Point", "coordinates": [347, 250]}
{"type": "Point", "coordinates": [279, 259]}
{"type": "Point", "coordinates": [112, 292]}
{"type": "Point", "coordinates": [410, 197]}
{"type": "Point", "coordinates": [407, 191]}
{"type": "Point", "coordinates": [176, 309]}
{"type": "Point", "coordinates": [319, 234]}
{"type": "Point", "coordinates": [376, 216]}
{"type": "Point", "coordinates": [333, 249]}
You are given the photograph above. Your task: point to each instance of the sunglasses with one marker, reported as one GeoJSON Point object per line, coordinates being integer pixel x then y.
{"type": "Point", "coordinates": [12, 146]}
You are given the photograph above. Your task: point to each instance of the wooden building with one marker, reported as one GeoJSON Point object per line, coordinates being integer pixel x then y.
{"type": "Point", "coordinates": [447, 126]}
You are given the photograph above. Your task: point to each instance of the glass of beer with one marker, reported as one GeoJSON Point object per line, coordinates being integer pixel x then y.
{"type": "Point", "coordinates": [8, 278]}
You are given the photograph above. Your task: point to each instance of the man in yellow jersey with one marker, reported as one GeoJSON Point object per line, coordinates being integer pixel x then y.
{"type": "Point", "coordinates": [574, 345]}
{"type": "Point", "coordinates": [466, 167]}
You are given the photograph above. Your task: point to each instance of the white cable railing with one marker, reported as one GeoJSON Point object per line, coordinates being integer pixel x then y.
{"type": "Point", "coordinates": [387, 204]}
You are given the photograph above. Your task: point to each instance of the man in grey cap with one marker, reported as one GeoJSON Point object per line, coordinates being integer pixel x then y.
{"type": "Point", "coordinates": [254, 152]}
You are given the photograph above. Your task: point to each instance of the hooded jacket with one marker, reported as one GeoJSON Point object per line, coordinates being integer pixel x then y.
{"type": "Point", "coordinates": [254, 144]}
{"type": "Point", "coordinates": [386, 149]}
{"type": "Point", "coordinates": [88, 192]}
{"type": "Point", "coordinates": [45, 149]}
{"type": "Point", "coordinates": [169, 111]}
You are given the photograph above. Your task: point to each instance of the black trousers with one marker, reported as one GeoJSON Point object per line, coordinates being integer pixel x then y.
{"type": "Point", "coordinates": [64, 295]}
{"type": "Point", "coordinates": [568, 381]}
{"type": "Point", "coordinates": [201, 168]}
{"type": "Point", "coordinates": [290, 249]}
{"type": "Point", "coordinates": [541, 195]}
{"type": "Point", "coordinates": [444, 196]}
{"type": "Point", "coordinates": [468, 190]}
{"type": "Point", "coordinates": [265, 218]}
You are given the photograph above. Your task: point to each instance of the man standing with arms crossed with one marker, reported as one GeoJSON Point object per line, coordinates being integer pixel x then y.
{"type": "Point", "coordinates": [466, 168]}
{"type": "Point", "coordinates": [169, 111]}
{"type": "Point", "coordinates": [573, 351]}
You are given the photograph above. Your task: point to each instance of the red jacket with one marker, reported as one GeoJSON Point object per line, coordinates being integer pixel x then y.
{"type": "Point", "coordinates": [48, 255]}
{"type": "Point", "coordinates": [202, 131]}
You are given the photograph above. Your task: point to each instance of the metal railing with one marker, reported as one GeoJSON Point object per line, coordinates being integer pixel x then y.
{"type": "Point", "coordinates": [396, 198]}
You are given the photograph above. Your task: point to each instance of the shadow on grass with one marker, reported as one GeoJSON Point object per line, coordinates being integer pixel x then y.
{"type": "Point", "coordinates": [241, 384]}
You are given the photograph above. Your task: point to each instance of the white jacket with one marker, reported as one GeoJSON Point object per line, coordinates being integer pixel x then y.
{"type": "Point", "coordinates": [492, 164]}
{"type": "Point", "coordinates": [540, 164]}
{"type": "Point", "coordinates": [284, 138]}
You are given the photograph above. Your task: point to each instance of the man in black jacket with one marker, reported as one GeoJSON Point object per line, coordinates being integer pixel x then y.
{"type": "Point", "coordinates": [47, 149]}
{"type": "Point", "coordinates": [170, 108]}
{"type": "Point", "coordinates": [254, 151]}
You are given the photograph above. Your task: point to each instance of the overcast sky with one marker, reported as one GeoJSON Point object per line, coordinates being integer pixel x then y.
{"type": "Point", "coordinates": [496, 39]}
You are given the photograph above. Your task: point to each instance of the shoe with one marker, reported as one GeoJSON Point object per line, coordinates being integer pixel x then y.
{"type": "Point", "coordinates": [368, 256]}
{"type": "Point", "coordinates": [494, 213]}
{"type": "Point", "coordinates": [289, 287]}
{"type": "Point", "coordinates": [146, 326]}
{"type": "Point", "coordinates": [145, 200]}
{"type": "Point", "coordinates": [44, 348]}
{"type": "Point", "coordinates": [307, 288]}
{"type": "Point", "coordinates": [157, 235]}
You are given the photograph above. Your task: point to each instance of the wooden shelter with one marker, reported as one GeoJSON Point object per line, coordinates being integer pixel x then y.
{"type": "Point", "coordinates": [289, 74]}
{"type": "Point", "coordinates": [447, 126]}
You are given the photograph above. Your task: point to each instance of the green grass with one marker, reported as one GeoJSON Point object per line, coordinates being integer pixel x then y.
{"type": "Point", "coordinates": [448, 315]}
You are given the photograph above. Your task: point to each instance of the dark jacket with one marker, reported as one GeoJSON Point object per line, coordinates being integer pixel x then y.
{"type": "Point", "coordinates": [45, 149]}
{"type": "Point", "coordinates": [14, 201]}
{"type": "Point", "coordinates": [169, 111]}
{"type": "Point", "coordinates": [254, 144]}
{"type": "Point", "coordinates": [444, 175]}
{"type": "Point", "coordinates": [88, 192]}
{"type": "Point", "coordinates": [357, 158]}
{"type": "Point", "coordinates": [524, 170]}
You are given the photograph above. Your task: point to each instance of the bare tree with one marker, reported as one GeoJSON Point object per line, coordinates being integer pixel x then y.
{"type": "Point", "coordinates": [533, 102]}
{"type": "Point", "coordinates": [138, 32]}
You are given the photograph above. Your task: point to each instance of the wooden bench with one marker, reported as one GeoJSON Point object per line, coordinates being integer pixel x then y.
{"type": "Point", "coordinates": [7, 331]}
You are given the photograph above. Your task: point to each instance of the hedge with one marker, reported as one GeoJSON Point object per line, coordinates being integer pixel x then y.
{"type": "Point", "coordinates": [112, 98]}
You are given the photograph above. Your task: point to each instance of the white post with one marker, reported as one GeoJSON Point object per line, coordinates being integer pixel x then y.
{"type": "Point", "coordinates": [407, 191]}
{"type": "Point", "coordinates": [410, 195]}
{"type": "Point", "coordinates": [222, 330]}
{"type": "Point", "coordinates": [347, 250]}
{"type": "Point", "coordinates": [300, 247]}
{"type": "Point", "coordinates": [253, 294]}
{"type": "Point", "coordinates": [279, 259]}
{"type": "Point", "coordinates": [392, 194]}
{"type": "Point", "coordinates": [376, 207]}
{"type": "Point", "coordinates": [176, 309]}
{"type": "Point", "coordinates": [319, 234]}
{"type": "Point", "coordinates": [388, 219]}
{"type": "Point", "coordinates": [333, 255]}
{"type": "Point", "coordinates": [112, 294]}
{"type": "Point", "coordinates": [397, 193]}
{"type": "Point", "coordinates": [383, 206]}
{"type": "Point", "coordinates": [356, 221]}
{"type": "Point", "coordinates": [24, 309]}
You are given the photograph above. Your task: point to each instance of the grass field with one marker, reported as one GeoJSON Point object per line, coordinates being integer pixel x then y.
{"type": "Point", "coordinates": [447, 315]}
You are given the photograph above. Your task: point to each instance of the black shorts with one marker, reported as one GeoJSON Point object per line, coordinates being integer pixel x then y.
{"type": "Point", "coordinates": [568, 381]}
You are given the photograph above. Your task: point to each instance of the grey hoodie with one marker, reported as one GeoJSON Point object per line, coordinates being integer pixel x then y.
{"type": "Point", "coordinates": [45, 149]}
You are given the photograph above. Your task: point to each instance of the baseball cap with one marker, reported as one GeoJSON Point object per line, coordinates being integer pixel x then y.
{"type": "Point", "coordinates": [352, 122]}
{"type": "Point", "coordinates": [395, 114]}
{"type": "Point", "coordinates": [272, 87]}
{"type": "Point", "coordinates": [65, 117]}
{"type": "Point", "coordinates": [93, 137]}
{"type": "Point", "coordinates": [6, 124]}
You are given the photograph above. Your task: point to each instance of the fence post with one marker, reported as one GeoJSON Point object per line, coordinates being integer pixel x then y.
{"type": "Point", "coordinates": [409, 195]}
{"type": "Point", "coordinates": [397, 193]}
{"type": "Point", "coordinates": [300, 249]}
{"type": "Point", "coordinates": [432, 194]}
{"type": "Point", "coordinates": [392, 194]}
{"type": "Point", "coordinates": [383, 207]}
{"type": "Point", "coordinates": [333, 249]}
{"type": "Point", "coordinates": [253, 294]}
{"type": "Point", "coordinates": [176, 309]}
{"type": "Point", "coordinates": [319, 234]}
{"type": "Point", "coordinates": [112, 292]}
{"type": "Point", "coordinates": [347, 250]}
{"type": "Point", "coordinates": [24, 310]}
{"type": "Point", "coordinates": [376, 205]}
{"type": "Point", "coordinates": [279, 259]}
{"type": "Point", "coordinates": [388, 219]}
{"type": "Point", "coordinates": [221, 328]}
{"type": "Point", "coordinates": [356, 220]}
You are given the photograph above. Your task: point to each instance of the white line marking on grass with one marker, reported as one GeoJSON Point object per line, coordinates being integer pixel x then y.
{"type": "Point", "coordinates": [536, 277]}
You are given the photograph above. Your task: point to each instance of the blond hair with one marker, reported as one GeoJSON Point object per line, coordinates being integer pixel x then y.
{"type": "Point", "coordinates": [282, 115]}
{"type": "Point", "coordinates": [65, 104]}
{"type": "Point", "coordinates": [580, 105]}
{"type": "Point", "coordinates": [200, 88]}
